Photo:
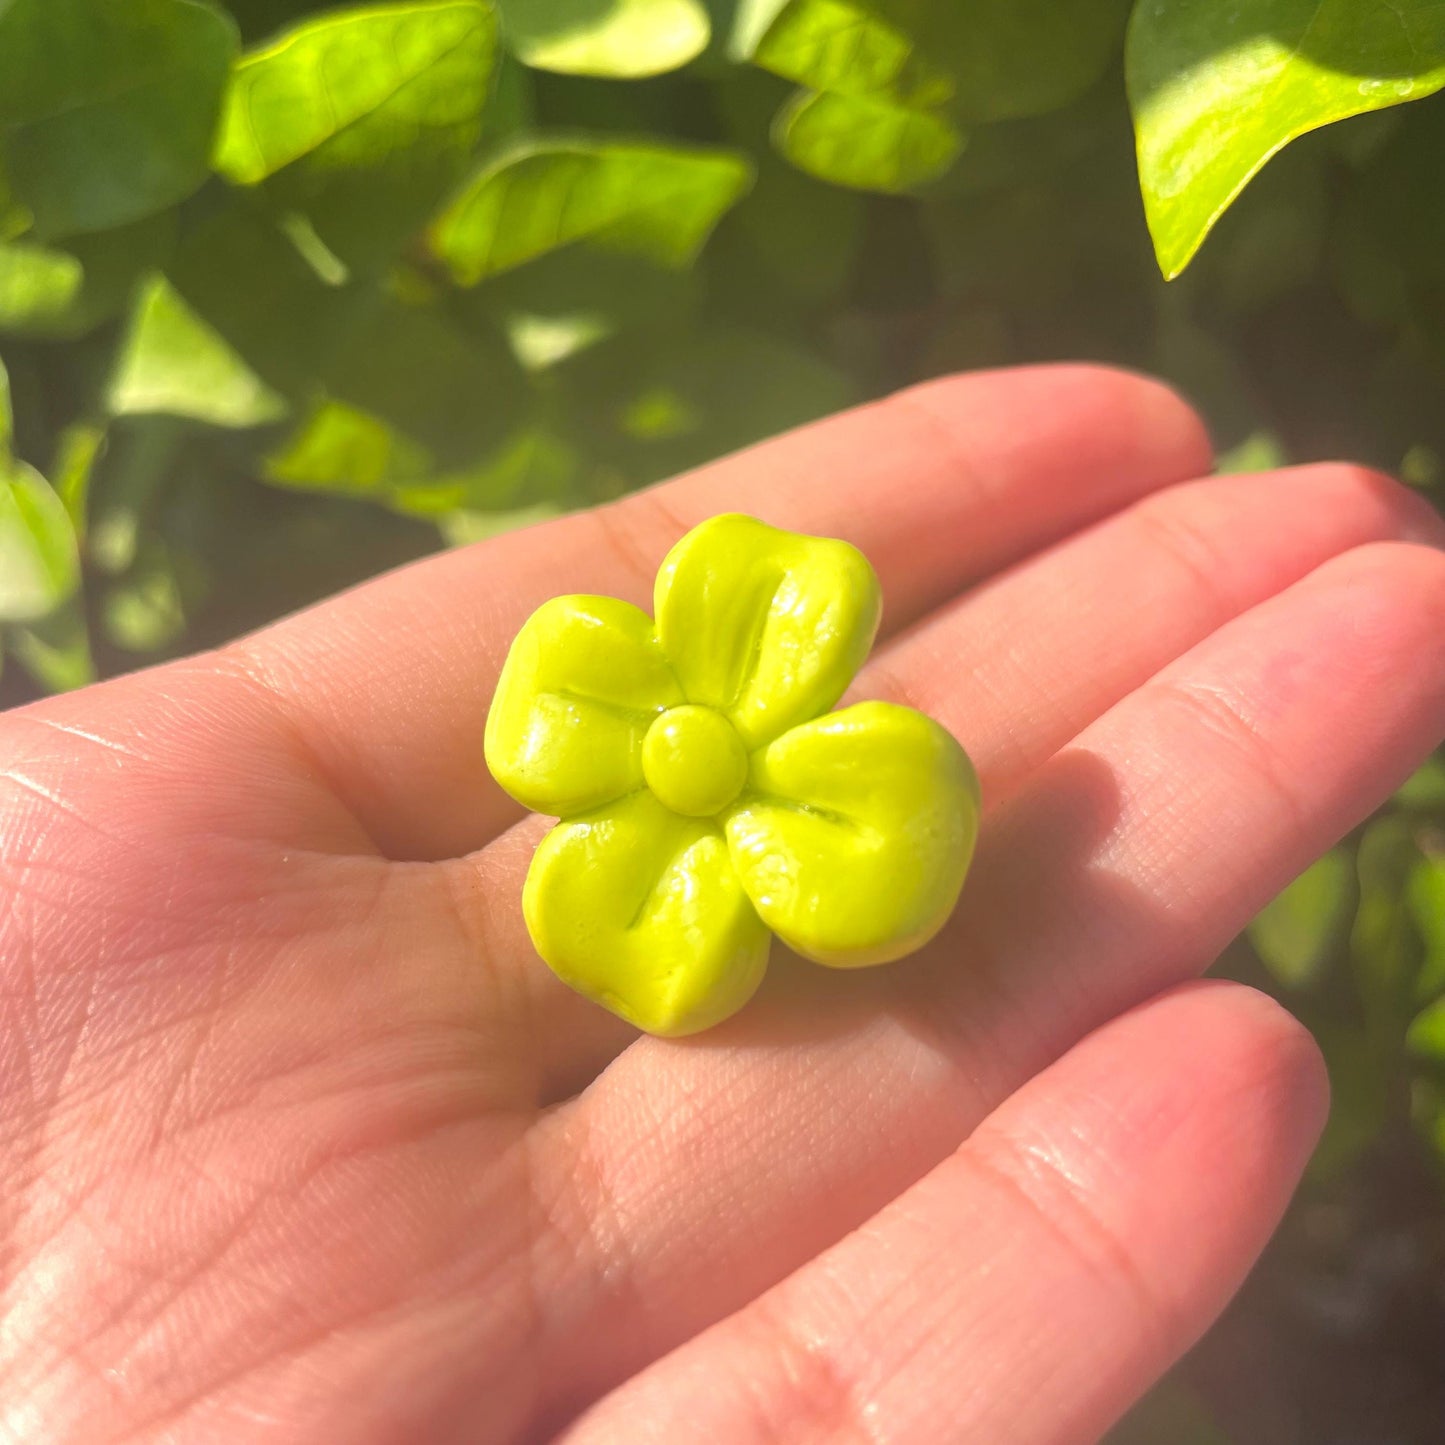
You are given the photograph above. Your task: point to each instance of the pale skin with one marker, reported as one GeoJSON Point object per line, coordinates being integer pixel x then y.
{"type": "Point", "coordinates": [299, 1141]}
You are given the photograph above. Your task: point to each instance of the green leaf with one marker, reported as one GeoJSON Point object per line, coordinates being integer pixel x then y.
{"type": "Point", "coordinates": [1425, 899]}
{"type": "Point", "coordinates": [7, 418]}
{"type": "Point", "coordinates": [343, 449]}
{"type": "Point", "coordinates": [1425, 788]}
{"type": "Point", "coordinates": [988, 59]}
{"type": "Point", "coordinates": [1361, 1096]}
{"type": "Point", "coordinates": [1427, 1113]}
{"type": "Point", "coordinates": [563, 303]}
{"type": "Point", "coordinates": [848, 47]}
{"type": "Point", "coordinates": [870, 127]}
{"type": "Point", "coordinates": [173, 364]}
{"type": "Point", "coordinates": [15, 219]}
{"type": "Point", "coordinates": [65, 289]}
{"type": "Point", "coordinates": [1385, 945]}
{"type": "Point", "coordinates": [39, 560]}
{"type": "Point", "coordinates": [107, 110]}
{"type": "Point", "coordinates": [622, 39]}
{"type": "Point", "coordinates": [805, 235]}
{"type": "Point", "coordinates": [1295, 933]}
{"type": "Point", "coordinates": [455, 392]}
{"type": "Point", "coordinates": [352, 453]}
{"type": "Point", "coordinates": [644, 197]}
{"type": "Point", "coordinates": [245, 278]}
{"type": "Point", "coordinates": [1015, 58]}
{"type": "Point", "coordinates": [1260, 451]}
{"type": "Point", "coordinates": [126, 486]}
{"type": "Point", "coordinates": [362, 119]}
{"type": "Point", "coordinates": [461, 529]}
{"type": "Point", "coordinates": [1218, 89]}
{"type": "Point", "coordinates": [653, 409]}
{"type": "Point", "coordinates": [1426, 1036]}
{"type": "Point", "coordinates": [346, 87]}
{"type": "Point", "coordinates": [748, 23]}
{"type": "Point", "coordinates": [40, 287]}
{"type": "Point", "coordinates": [77, 450]}
{"type": "Point", "coordinates": [867, 144]}
{"type": "Point", "coordinates": [146, 610]}
{"type": "Point", "coordinates": [55, 651]}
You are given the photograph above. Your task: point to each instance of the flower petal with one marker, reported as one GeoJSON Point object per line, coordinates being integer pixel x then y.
{"type": "Point", "coordinates": [582, 683]}
{"type": "Point", "coordinates": [855, 832]}
{"type": "Point", "coordinates": [640, 909]}
{"type": "Point", "coordinates": [764, 625]}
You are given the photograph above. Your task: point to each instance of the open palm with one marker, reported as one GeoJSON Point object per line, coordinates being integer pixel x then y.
{"type": "Point", "coordinates": [299, 1141]}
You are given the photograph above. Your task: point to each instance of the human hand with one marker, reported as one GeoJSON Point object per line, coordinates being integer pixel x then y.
{"type": "Point", "coordinates": [301, 1142]}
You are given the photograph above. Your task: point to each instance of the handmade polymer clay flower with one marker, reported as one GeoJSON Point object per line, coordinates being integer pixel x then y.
{"type": "Point", "coordinates": [707, 796]}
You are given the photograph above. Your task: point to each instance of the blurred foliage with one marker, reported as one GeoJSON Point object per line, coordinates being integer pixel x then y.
{"type": "Point", "coordinates": [292, 291]}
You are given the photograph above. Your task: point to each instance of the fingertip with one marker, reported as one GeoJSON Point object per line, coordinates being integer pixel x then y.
{"type": "Point", "coordinates": [1414, 519]}
{"type": "Point", "coordinates": [1151, 425]}
{"type": "Point", "coordinates": [1251, 1042]}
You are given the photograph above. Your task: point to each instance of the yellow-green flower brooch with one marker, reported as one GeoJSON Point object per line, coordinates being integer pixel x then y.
{"type": "Point", "coordinates": [707, 796]}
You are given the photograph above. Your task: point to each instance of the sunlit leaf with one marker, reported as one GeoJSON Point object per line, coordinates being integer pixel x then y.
{"type": "Point", "coordinates": [989, 60]}
{"type": "Point", "coordinates": [1260, 451]}
{"type": "Point", "coordinates": [1218, 89]}
{"type": "Point", "coordinates": [107, 110]}
{"type": "Point", "coordinates": [15, 218]}
{"type": "Point", "coordinates": [532, 467]}
{"type": "Point", "coordinates": [1295, 933]}
{"type": "Point", "coordinates": [55, 651]}
{"type": "Point", "coordinates": [76, 452]}
{"type": "Point", "coordinates": [649, 198]}
{"type": "Point", "coordinates": [174, 364]}
{"type": "Point", "coordinates": [363, 118]}
{"type": "Point", "coordinates": [349, 452]}
{"type": "Point", "coordinates": [747, 21]}
{"type": "Point", "coordinates": [7, 418]}
{"type": "Point", "coordinates": [1425, 899]}
{"type": "Point", "coordinates": [39, 560]}
{"type": "Point", "coordinates": [1384, 942]}
{"type": "Point", "coordinates": [461, 529]}
{"type": "Point", "coordinates": [38, 284]}
{"type": "Point", "coordinates": [146, 610]}
{"type": "Point", "coordinates": [125, 486]}
{"type": "Point", "coordinates": [1426, 1038]}
{"type": "Point", "coordinates": [617, 38]}
{"type": "Point", "coordinates": [864, 143]}
{"type": "Point", "coordinates": [64, 289]}
{"type": "Point", "coordinates": [343, 449]}
{"type": "Point", "coordinates": [348, 86]}
{"type": "Point", "coordinates": [850, 47]}
{"type": "Point", "coordinates": [1425, 788]}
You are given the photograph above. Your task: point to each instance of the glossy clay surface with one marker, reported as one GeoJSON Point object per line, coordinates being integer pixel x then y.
{"type": "Point", "coordinates": [708, 798]}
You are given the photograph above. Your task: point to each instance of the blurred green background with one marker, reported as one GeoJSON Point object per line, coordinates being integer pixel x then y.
{"type": "Point", "coordinates": [291, 292]}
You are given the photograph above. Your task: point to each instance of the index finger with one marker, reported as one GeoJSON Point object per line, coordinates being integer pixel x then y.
{"type": "Point", "coordinates": [939, 485]}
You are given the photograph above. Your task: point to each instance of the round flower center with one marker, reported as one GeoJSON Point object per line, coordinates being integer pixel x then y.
{"type": "Point", "coordinates": [694, 761]}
